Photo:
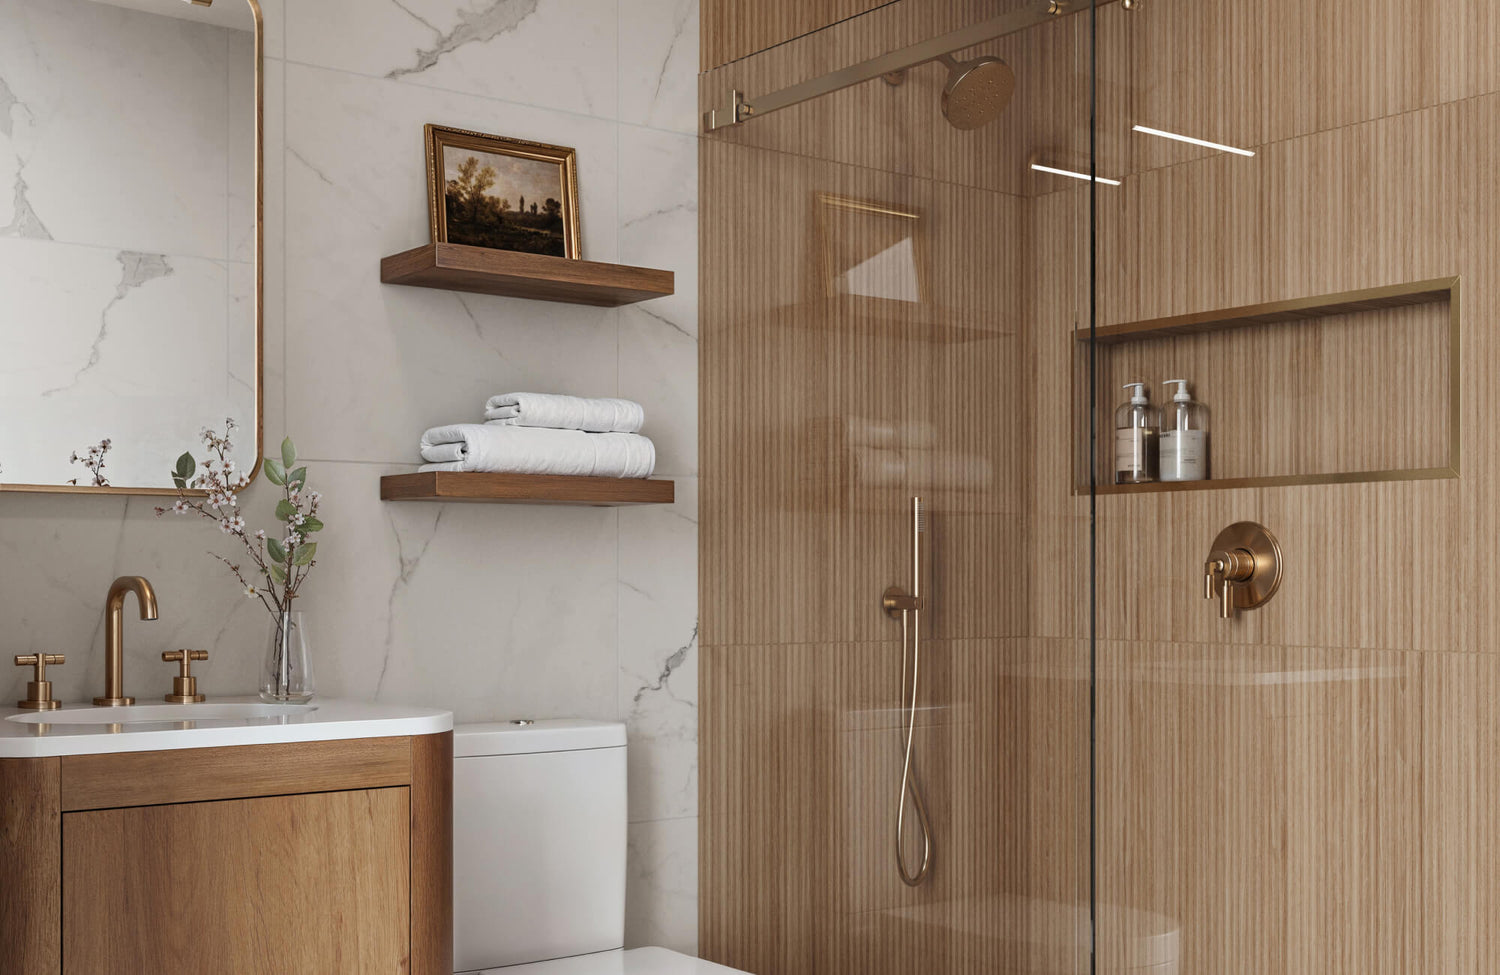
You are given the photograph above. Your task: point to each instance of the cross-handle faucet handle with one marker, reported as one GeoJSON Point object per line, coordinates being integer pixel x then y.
{"type": "Point", "coordinates": [39, 688]}
{"type": "Point", "coordinates": [184, 685]}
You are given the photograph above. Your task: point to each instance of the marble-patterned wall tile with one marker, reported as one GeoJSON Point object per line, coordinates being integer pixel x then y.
{"type": "Point", "coordinates": [658, 639]}
{"type": "Point", "coordinates": [659, 63]}
{"type": "Point", "coordinates": [491, 611]}
{"type": "Point", "coordinates": [273, 17]}
{"type": "Point", "coordinates": [372, 366]}
{"type": "Point", "coordinates": [58, 555]}
{"type": "Point", "coordinates": [556, 55]}
{"type": "Point", "coordinates": [661, 885]}
{"type": "Point", "coordinates": [659, 338]}
{"type": "Point", "coordinates": [273, 287]}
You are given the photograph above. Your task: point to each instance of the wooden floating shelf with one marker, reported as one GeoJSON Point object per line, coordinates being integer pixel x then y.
{"type": "Point", "coordinates": [1298, 309]}
{"type": "Point", "coordinates": [525, 488]}
{"type": "Point", "coordinates": [482, 270]}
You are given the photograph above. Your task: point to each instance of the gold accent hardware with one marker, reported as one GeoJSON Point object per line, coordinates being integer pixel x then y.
{"type": "Point", "coordinates": [39, 688]}
{"type": "Point", "coordinates": [908, 608]}
{"type": "Point", "coordinates": [114, 629]}
{"type": "Point", "coordinates": [1243, 569]}
{"type": "Point", "coordinates": [1430, 291]}
{"type": "Point", "coordinates": [184, 685]}
{"type": "Point", "coordinates": [732, 107]}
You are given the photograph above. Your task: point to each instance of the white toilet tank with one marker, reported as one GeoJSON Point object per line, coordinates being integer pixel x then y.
{"type": "Point", "coordinates": [538, 841]}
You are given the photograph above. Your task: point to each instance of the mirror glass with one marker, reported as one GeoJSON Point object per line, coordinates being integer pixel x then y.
{"type": "Point", "coordinates": [129, 294]}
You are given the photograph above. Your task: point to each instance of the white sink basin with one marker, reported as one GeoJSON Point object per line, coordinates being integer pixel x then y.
{"type": "Point", "coordinates": [142, 713]}
{"type": "Point", "coordinates": [82, 729]}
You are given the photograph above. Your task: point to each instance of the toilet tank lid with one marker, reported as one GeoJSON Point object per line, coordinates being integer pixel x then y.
{"type": "Point", "coordinates": [523, 737]}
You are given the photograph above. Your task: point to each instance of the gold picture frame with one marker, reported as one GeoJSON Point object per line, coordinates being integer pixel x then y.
{"type": "Point", "coordinates": [474, 180]}
{"type": "Point", "coordinates": [853, 230]}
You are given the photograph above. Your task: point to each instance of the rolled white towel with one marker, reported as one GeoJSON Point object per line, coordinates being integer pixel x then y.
{"type": "Point", "coordinates": [862, 431]}
{"type": "Point", "coordinates": [565, 412]}
{"type": "Point", "coordinates": [536, 450]}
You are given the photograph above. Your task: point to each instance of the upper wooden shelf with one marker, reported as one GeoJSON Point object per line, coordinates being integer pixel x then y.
{"type": "Point", "coordinates": [456, 267]}
{"type": "Point", "coordinates": [1297, 309]}
{"type": "Point", "coordinates": [525, 488]}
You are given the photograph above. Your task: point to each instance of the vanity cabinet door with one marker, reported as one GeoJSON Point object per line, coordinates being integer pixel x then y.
{"type": "Point", "coordinates": [283, 885]}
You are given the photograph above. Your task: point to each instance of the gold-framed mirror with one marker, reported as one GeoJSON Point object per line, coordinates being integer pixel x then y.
{"type": "Point", "coordinates": [132, 243]}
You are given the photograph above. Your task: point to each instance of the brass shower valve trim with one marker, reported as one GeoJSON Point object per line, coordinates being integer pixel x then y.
{"type": "Point", "coordinates": [184, 685]}
{"type": "Point", "coordinates": [39, 688]}
{"type": "Point", "coordinates": [1243, 568]}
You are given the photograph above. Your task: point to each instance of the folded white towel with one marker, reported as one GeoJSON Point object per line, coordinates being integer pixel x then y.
{"type": "Point", "coordinates": [536, 450]}
{"type": "Point", "coordinates": [914, 469]}
{"type": "Point", "coordinates": [565, 412]}
{"type": "Point", "coordinates": [862, 431]}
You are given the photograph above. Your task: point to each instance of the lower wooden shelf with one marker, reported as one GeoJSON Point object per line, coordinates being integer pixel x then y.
{"type": "Point", "coordinates": [525, 488]}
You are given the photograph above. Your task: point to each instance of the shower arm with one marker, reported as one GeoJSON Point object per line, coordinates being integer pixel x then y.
{"type": "Point", "coordinates": [732, 107]}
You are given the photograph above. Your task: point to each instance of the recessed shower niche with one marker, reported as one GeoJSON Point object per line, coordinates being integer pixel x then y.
{"type": "Point", "coordinates": [1355, 386]}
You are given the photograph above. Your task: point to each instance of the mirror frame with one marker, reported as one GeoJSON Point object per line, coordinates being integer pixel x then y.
{"type": "Point", "coordinates": [260, 294]}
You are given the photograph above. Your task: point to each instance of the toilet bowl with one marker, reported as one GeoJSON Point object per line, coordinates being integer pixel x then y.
{"type": "Point", "coordinates": [539, 853]}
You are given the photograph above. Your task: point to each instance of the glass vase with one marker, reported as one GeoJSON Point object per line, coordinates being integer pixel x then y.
{"type": "Point", "coordinates": [287, 677]}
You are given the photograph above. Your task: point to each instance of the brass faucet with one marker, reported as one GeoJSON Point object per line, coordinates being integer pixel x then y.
{"type": "Point", "coordinates": [114, 644]}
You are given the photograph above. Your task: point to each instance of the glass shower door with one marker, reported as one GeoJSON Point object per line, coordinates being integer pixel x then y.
{"type": "Point", "coordinates": [1295, 782]}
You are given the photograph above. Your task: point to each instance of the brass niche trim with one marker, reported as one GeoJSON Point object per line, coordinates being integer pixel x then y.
{"type": "Point", "coordinates": [1432, 291]}
{"type": "Point", "coordinates": [830, 204]}
{"type": "Point", "coordinates": [260, 299]}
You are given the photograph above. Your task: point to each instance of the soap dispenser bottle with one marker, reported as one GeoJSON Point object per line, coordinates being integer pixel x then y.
{"type": "Point", "coordinates": [1136, 425]}
{"type": "Point", "coordinates": [1184, 437]}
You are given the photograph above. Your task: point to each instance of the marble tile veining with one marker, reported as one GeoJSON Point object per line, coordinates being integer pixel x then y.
{"type": "Point", "coordinates": [490, 610]}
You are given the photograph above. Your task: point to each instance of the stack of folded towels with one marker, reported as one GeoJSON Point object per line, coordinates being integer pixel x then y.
{"type": "Point", "coordinates": [545, 433]}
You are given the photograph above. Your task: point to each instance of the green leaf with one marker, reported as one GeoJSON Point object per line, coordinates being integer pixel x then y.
{"type": "Point", "coordinates": [277, 573]}
{"type": "Point", "coordinates": [297, 478]}
{"type": "Point", "coordinates": [285, 509]}
{"type": "Point", "coordinates": [277, 550]}
{"type": "Point", "coordinates": [304, 553]}
{"type": "Point", "coordinates": [273, 471]}
{"type": "Point", "coordinates": [288, 453]}
{"type": "Point", "coordinates": [310, 525]}
{"type": "Point", "coordinates": [177, 480]}
{"type": "Point", "coordinates": [186, 466]}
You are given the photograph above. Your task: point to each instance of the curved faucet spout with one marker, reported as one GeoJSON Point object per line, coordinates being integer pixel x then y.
{"type": "Point", "coordinates": [114, 629]}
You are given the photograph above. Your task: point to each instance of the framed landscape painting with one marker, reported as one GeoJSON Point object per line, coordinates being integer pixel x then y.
{"type": "Point", "coordinates": [505, 194]}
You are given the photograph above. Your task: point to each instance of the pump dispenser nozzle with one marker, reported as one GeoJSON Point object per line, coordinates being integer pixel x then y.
{"type": "Point", "coordinates": [1138, 397]}
{"type": "Point", "coordinates": [1181, 396]}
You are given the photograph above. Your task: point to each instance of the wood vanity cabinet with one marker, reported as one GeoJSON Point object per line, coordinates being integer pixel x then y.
{"type": "Point", "coordinates": [313, 857]}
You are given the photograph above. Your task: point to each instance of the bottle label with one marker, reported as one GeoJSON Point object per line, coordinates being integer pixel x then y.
{"type": "Point", "coordinates": [1130, 451]}
{"type": "Point", "coordinates": [1184, 455]}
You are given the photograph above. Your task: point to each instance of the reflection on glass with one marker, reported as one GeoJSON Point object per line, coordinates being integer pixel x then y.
{"type": "Point", "coordinates": [871, 249]}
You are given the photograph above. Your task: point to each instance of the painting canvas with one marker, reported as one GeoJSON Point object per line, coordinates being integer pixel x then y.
{"type": "Point", "coordinates": [504, 194]}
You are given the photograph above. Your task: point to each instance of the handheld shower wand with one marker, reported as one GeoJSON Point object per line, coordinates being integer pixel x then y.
{"type": "Point", "coordinates": [909, 609]}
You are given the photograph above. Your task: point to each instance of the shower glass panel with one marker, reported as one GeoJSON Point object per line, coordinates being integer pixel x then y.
{"type": "Point", "coordinates": [1307, 786]}
{"type": "Point", "coordinates": [891, 291]}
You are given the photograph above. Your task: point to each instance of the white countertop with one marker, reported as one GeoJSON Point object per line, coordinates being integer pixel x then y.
{"type": "Point", "coordinates": [149, 726]}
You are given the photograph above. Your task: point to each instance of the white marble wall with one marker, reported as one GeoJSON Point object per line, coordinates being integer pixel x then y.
{"type": "Point", "coordinates": [490, 610]}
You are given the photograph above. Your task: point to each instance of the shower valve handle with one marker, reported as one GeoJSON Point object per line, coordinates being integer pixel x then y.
{"type": "Point", "coordinates": [1243, 568]}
